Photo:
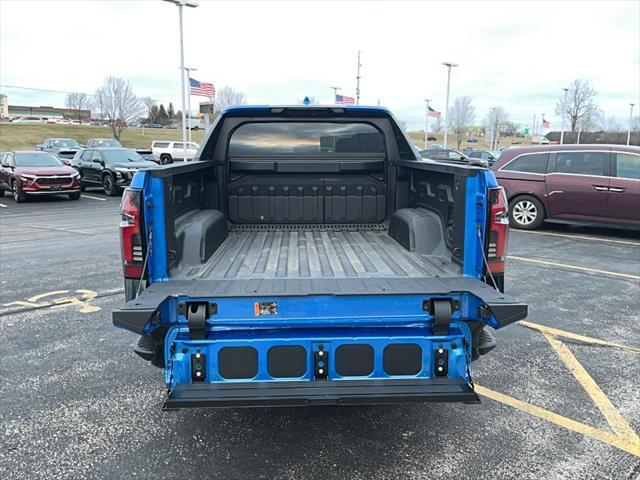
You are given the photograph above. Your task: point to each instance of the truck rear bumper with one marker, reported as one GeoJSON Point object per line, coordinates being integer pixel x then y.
{"type": "Point", "coordinates": [319, 392]}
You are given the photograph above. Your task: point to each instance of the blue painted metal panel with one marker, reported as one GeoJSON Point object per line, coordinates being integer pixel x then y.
{"type": "Point", "coordinates": [179, 348]}
{"type": "Point", "coordinates": [154, 214]}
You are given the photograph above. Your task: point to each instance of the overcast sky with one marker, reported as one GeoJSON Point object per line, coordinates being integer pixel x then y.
{"type": "Point", "coordinates": [515, 54]}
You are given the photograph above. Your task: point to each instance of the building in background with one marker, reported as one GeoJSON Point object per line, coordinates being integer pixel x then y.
{"type": "Point", "coordinates": [51, 114]}
{"type": "Point", "coordinates": [4, 106]}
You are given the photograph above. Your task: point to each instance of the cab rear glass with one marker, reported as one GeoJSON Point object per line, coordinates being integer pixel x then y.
{"type": "Point", "coordinates": [322, 138]}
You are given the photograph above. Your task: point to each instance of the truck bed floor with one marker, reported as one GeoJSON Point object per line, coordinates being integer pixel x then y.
{"type": "Point", "coordinates": [273, 253]}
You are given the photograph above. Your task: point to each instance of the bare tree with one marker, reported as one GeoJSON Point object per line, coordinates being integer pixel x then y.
{"type": "Point", "coordinates": [495, 118]}
{"type": "Point", "coordinates": [226, 97]}
{"type": "Point", "coordinates": [609, 124]}
{"type": "Point", "coordinates": [77, 101]}
{"type": "Point", "coordinates": [97, 104]}
{"type": "Point", "coordinates": [149, 103]}
{"type": "Point", "coordinates": [120, 104]}
{"type": "Point", "coordinates": [580, 106]}
{"type": "Point", "coordinates": [460, 115]}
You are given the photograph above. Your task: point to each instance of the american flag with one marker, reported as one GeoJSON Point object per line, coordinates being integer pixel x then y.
{"type": "Point", "coordinates": [202, 89]}
{"type": "Point", "coordinates": [546, 123]}
{"type": "Point", "coordinates": [433, 113]}
{"type": "Point", "coordinates": [345, 100]}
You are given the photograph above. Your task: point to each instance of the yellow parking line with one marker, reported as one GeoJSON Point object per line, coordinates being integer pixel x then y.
{"type": "Point", "coordinates": [617, 422]}
{"type": "Point", "coordinates": [576, 267]}
{"type": "Point", "coordinates": [579, 237]}
{"type": "Point", "coordinates": [574, 336]}
{"type": "Point", "coordinates": [564, 422]}
{"type": "Point", "coordinates": [94, 198]}
{"type": "Point", "coordinates": [624, 437]}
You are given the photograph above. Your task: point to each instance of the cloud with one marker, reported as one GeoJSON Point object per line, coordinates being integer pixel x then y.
{"type": "Point", "coordinates": [516, 54]}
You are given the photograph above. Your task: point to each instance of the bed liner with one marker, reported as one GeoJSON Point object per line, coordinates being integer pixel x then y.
{"type": "Point", "coordinates": [316, 252]}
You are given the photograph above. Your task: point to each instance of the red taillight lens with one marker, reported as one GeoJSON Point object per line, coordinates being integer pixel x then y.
{"type": "Point", "coordinates": [131, 234]}
{"type": "Point", "coordinates": [498, 229]}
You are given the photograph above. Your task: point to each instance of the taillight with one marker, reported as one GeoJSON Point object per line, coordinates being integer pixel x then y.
{"type": "Point", "coordinates": [131, 234]}
{"type": "Point", "coordinates": [498, 229]}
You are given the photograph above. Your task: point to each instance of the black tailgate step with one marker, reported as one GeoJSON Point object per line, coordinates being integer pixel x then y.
{"type": "Point", "coordinates": [323, 392]}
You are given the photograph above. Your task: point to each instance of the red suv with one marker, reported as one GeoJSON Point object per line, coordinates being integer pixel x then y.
{"type": "Point", "coordinates": [571, 183]}
{"type": "Point", "coordinates": [36, 173]}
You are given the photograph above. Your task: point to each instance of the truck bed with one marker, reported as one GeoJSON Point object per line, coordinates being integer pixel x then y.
{"type": "Point", "coordinates": [265, 252]}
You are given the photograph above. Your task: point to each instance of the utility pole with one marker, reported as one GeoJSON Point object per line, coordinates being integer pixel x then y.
{"type": "Point", "coordinates": [564, 112]}
{"type": "Point", "coordinates": [630, 122]}
{"type": "Point", "coordinates": [426, 123]}
{"type": "Point", "coordinates": [335, 92]}
{"type": "Point", "coordinates": [358, 81]}
{"type": "Point", "coordinates": [446, 110]}
{"type": "Point", "coordinates": [541, 127]}
{"type": "Point", "coordinates": [180, 4]}
{"type": "Point", "coordinates": [189, 70]}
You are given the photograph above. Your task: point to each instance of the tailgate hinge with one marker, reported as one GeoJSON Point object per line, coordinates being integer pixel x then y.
{"type": "Point", "coordinates": [197, 314]}
{"type": "Point", "coordinates": [441, 310]}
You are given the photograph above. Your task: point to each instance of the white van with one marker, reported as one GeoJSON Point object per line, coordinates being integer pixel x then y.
{"type": "Point", "coordinates": [169, 151]}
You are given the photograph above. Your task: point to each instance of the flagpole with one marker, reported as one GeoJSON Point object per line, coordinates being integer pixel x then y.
{"type": "Point", "coordinates": [335, 93]}
{"type": "Point", "coordinates": [541, 128]}
{"type": "Point", "coordinates": [189, 70]}
{"type": "Point", "coordinates": [426, 124]}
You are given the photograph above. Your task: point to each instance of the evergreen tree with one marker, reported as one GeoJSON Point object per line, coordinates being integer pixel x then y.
{"type": "Point", "coordinates": [171, 111]}
{"type": "Point", "coordinates": [163, 118]}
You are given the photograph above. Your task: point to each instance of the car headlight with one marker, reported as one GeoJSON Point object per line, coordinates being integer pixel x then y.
{"type": "Point", "coordinates": [26, 176]}
{"type": "Point", "coordinates": [74, 174]}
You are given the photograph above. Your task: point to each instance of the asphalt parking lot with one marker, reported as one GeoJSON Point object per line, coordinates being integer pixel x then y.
{"type": "Point", "coordinates": [77, 403]}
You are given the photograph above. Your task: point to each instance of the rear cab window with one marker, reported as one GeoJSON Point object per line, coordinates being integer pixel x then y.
{"type": "Point", "coordinates": [317, 138]}
{"type": "Point", "coordinates": [160, 145]}
{"type": "Point", "coordinates": [528, 163]}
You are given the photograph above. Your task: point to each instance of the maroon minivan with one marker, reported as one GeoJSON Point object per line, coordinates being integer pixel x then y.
{"type": "Point", "coordinates": [571, 183]}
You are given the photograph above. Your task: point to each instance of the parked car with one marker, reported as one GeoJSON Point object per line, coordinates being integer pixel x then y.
{"type": "Point", "coordinates": [449, 155]}
{"type": "Point", "coordinates": [111, 168]}
{"type": "Point", "coordinates": [483, 154]}
{"type": "Point", "coordinates": [169, 150]}
{"type": "Point", "coordinates": [27, 120]}
{"type": "Point", "coordinates": [103, 143]}
{"type": "Point", "coordinates": [64, 148]}
{"type": "Point", "coordinates": [472, 140]}
{"type": "Point", "coordinates": [571, 183]}
{"type": "Point", "coordinates": [246, 291]}
{"type": "Point", "coordinates": [431, 138]}
{"type": "Point", "coordinates": [539, 140]}
{"type": "Point", "coordinates": [26, 173]}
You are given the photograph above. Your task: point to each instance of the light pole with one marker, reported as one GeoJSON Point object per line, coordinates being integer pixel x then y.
{"type": "Point", "coordinates": [358, 81]}
{"type": "Point", "coordinates": [180, 4]}
{"type": "Point", "coordinates": [564, 112]}
{"type": "Point", "coordinates": [630, 122]}
{"type": "Point", "coordinates": [426, 123]}
{"type": "Point", "coordinates": [189, 70]}
{"type": "Point", "coordinates": [446, 109]}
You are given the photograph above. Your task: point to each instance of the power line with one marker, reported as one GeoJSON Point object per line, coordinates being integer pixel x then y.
{"type": "Point", "coordinates": [34, 89]}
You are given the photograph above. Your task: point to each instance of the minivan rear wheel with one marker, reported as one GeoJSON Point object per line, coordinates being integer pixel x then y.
{"type": "Point", "coordinates": [526, 212]}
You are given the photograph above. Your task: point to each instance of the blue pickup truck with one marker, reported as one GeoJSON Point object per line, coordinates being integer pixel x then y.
{"type": "Point", "coordinates": [310, 256]}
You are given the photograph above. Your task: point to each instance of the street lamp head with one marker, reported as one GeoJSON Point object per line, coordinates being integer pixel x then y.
{"type": "Point", "coordinates": [448, 64]}
{"type": "Point", "coordinates": [565, 90]}
{"type": "Point", "coordinates": [183, 3]}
